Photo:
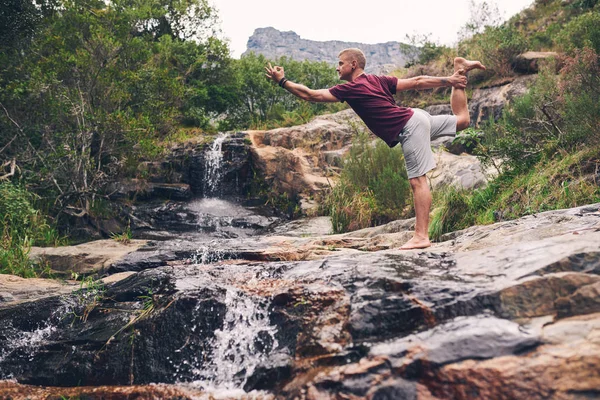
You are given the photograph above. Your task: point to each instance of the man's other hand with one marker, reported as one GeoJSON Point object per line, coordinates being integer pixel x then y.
{"type": "Point", "coordinates": [458, 80]}
{"type": "Point", "coordinates": [275, 73]}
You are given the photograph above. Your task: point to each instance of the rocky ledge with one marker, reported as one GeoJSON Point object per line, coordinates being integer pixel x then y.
{"type": "Point", "coordinates": [509, 310]}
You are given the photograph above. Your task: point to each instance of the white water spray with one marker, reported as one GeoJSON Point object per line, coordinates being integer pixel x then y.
{"type": "Point", "coordinates": [244, 342]}
{"type": "Point", "coordinates": [213, 172]}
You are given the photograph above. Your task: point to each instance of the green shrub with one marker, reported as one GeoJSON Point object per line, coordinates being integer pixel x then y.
{"type": "Point", "coordinates": [21, 226]}
{"type": "Point", "coordinates": [551, 184]}
{"type": "Point", "coordinates": [560, 114]}
{"type": "Point", "coordinates": [582, 31]}
{"type": "Point", "coordinates": [373, 186]}
{"type": "Point", "coordinates": [495, 47]}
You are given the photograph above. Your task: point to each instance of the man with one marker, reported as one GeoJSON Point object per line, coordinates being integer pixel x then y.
{"type": "Point", "coordinates": [371, 97]}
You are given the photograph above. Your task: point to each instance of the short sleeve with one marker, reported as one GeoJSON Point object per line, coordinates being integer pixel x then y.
{"type": "Point", "coordinates": [339, 91]}
{"type": "Point", "coordinates": [391, 82]}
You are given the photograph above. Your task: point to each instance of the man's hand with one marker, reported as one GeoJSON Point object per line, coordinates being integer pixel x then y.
{"type": "Point", "coordinates": [458, 80]}
{"type": "Point", "coordinates": [275, 73]}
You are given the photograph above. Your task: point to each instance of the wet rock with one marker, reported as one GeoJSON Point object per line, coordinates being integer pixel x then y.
{"type": "Point", "coordinates": [13, 390]}
{"type": "Point", "coordinates": [564, 369]}
{"type": "Point", "coordinates": [86, 258]}
{"type": "Point", "coordinates": [112, 337]}
{"type": "Point", "coordinates": [479, 337]}
{"type": "Point", "coordinates": [14, 289]}
{"type": "Point", "coordinates": [394, 389]}
{"type": "Point", "coordinates": [501, 311]}
{"type": "Point", "coordinates": [585, 300]}
{"type": "Point", "coordinates": [144, 190]}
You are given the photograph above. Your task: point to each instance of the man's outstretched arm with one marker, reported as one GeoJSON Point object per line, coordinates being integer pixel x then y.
{"type": "Point", "coordinates": [457, 80]}
{"type": "Point", "coordinates": [277, 75]}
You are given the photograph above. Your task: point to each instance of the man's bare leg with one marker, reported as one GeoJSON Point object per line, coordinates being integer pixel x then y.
{"type": "Point", "coordinates": [422, 199]}
{"type": "Point", "coordinates": [420, 188]}
{"type": "Point", "coordinates": [458, 99]}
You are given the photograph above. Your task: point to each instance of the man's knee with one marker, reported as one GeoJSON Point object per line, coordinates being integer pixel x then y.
{"type": "Point", "coordinates": [418, 182]}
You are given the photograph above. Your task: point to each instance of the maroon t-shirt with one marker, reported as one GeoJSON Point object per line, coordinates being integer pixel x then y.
{"type": "Point", "coordinates": [372, 98]}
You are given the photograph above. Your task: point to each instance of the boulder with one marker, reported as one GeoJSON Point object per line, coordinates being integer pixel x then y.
{"type": "Point", "coordinates": [529, 62]}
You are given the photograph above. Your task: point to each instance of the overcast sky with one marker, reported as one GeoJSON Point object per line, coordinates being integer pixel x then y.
{"type": "Point", "coordinates": [375, 21]}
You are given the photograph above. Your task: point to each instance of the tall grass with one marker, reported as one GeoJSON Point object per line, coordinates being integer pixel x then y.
{"type": "Point", "coordinates": [373, 186]}
{"type": "Point", "coordinates": [552, 184]}
{"type": "Point", "coordinates": [21, 226]}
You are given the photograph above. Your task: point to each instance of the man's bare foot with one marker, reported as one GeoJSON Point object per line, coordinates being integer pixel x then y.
{"type": "Point", "coordinates": [464, 66]}
{"type": "Point", "coordinates": [416, 243]}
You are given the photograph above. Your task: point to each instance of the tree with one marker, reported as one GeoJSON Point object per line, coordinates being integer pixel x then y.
{"type": "Point", "coordinates": [98, 85]}
{"type": "Point", "coordinates": [483, 13]}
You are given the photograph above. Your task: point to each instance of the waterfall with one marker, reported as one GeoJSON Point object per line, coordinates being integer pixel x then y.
{"type": "Point", "coordinates": [242, 344]}
{"type": "Point", "coordinates": [213, 167]}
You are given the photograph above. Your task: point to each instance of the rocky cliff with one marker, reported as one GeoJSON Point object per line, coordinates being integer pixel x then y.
{"type": "Point", "coordinates": [273, 44]}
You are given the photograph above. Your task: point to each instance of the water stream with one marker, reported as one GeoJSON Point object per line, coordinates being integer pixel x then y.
{"type": "Point", "coordinates": [246, 337]}
{"type": "Point", "coordinates": [213, 167]}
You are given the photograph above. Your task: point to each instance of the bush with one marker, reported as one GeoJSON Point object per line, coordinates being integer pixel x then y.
{"type": "Point", "coordinates": [495, 48]}
{"type": "Point", "coordinates": [373, 188]}
{"type": "Point", "coordinates": [560, 114]}
{"type": "Point", "coordinates": [21, 226]}
{"type": "Point", "coordinates": [580, 32]}
{"type": "Point", "coordinates": [551, 184]}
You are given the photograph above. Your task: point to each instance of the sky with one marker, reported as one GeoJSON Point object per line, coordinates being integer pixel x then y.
{"type": "Point", "coordinates": [375, 21]}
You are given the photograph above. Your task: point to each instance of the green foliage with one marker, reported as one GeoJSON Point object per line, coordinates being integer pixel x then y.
{"type": "Point", "coordinates": [373, 187]}
{"type": "Point", "coordinates": [421, 50]}
{"type": "Point", "coordinates": [560, 114]}
{"type": "Point", "coordinates": [551, 184]}
{"type": "Point", "coordinates": [123, 237]}
{"type": "Point", "coordinates": [21, 226]}
{"type": "Point", "coordinates": [97, 88]}
{"type": "Point", "coordinates": [495, 47]}
{"type": "Point", "coordinates": [259, 103]}
{"type": "Point", "coordinates": [469, 138]}
{"type": "Point", "coordinates": [582, 31]}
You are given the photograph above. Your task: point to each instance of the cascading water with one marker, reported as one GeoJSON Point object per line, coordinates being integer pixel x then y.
{"type": "Point", "coordinates": [241, 345]}
{"type": "Point", "coordinates": [213, 171]}
{"type": "Point", "coordinates": [246, 338]}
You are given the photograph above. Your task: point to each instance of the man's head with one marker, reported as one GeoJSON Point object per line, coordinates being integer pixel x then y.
{"type": "Point", "coordinates": [350, 61]}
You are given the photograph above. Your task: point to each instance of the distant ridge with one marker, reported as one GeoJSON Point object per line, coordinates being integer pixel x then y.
{"type": "Point", "coordinates": [273, 43]}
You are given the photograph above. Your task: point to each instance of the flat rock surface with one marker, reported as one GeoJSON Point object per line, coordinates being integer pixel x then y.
{"type": "Point", "coordinates": [84, 258]}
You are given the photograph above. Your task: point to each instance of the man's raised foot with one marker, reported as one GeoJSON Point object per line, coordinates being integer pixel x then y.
{"type": "Point", "coordinates": [464, 66]}
{"type": "Point", "coordinates": [416, 243]}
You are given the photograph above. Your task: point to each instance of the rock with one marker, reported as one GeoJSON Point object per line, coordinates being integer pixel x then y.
{"type": "Point", "coordinates": [273, 44]}
{"type": "Point", "coordinates": [507, 310]}
{"type": "Point", "coordinates": [459, 171]}
{"type": "Point", "coordinates": [143, 190]}
{"type": "Point", "coordinates": [480, 337]}
{"type": "Point", "coordinates": [12, 390]}
{"type": "Point", "coordinates": [15, 290]}
{"type": "Point", "coordinates": [488, 102]}
{"type": "Point", "coordinates": [292, 161]}
{"type": "Point", "coordinates": [529, 62]}
{"type": "Point", "coordinates": [565, 369]}
{"type": "Point", "coordinates": [86, 258]}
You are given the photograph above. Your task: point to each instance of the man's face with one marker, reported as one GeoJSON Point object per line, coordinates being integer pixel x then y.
{"type": "Point", "coordinates": [344, 68]}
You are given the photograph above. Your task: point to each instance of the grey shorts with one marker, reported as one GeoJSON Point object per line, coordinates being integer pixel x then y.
{"type": "Point", "coordinates": [416, 139]}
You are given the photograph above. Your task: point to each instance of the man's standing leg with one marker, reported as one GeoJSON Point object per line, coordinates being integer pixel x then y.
{"type": "Point", "coordinates": [419, 185]}
{"type": "Point", "coordinates": [422, 200]}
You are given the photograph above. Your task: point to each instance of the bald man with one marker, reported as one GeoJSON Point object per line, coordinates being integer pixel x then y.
{"type": "Point", "coordinates": [371, 97]}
